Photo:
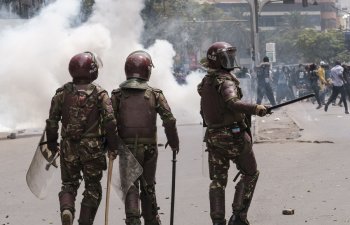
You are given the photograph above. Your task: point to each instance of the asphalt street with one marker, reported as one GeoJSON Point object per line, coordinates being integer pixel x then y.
{"type": "Point", "coordinates": [302, 155]}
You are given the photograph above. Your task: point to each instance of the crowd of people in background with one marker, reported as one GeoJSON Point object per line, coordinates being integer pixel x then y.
{"type": "Point", "coordinates": [280, 83]}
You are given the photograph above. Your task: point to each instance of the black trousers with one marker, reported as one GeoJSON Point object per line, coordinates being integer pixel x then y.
{"type": "Point", "coordinates": [336, 90]}
{"type": "Point", "coordinates": [265, 89]}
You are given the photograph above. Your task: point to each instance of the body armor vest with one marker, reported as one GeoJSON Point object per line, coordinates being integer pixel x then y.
{"type": "Point", "coordinates": [214, 110]}
{"type": "Point", "coordinates": [137, 116]}
{"type": "Point", "coordinates": [80, 112]}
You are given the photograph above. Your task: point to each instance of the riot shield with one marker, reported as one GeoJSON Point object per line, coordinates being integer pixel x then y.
{"type": "Point", "coordinates": [41, 169]}
{"type": "Point", "coordinates": [127, 171]}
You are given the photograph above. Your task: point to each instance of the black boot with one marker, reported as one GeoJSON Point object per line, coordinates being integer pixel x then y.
{"type": "Point", "coordinates": [236, 220]}
{"type": "Point", "coordinates": [67, 207]}
{"type": "Point", "coordinates": [87, 215]}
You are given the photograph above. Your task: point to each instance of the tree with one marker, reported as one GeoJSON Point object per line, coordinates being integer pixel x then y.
{"type": "Point", "coordinates": [327, 46]}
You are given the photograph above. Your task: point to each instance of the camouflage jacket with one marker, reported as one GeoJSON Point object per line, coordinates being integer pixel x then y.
{"type": "Point", "coordinates": [221, 103]}
{"type": "Point", "coordinates": [77, 114]}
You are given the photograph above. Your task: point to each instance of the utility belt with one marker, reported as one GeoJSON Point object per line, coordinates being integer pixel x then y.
{"type": "Point", "coordinates": [149, 141]}
{"type": "Point", "coordinates": [91, 135]}
{"type": "Point", "coordinates": [234, 128]}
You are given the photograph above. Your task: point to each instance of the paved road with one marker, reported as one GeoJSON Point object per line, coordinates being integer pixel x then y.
{"type": "Point", "coordinates": [302, 155]}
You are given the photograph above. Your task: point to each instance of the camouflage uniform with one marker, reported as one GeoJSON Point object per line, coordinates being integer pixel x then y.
{"type": "Point", "coordinates": [136, 106]}
{"type": "Point", "coordinates": [228, 139]}
{"type": "Point", "coordinates": [87, 117]}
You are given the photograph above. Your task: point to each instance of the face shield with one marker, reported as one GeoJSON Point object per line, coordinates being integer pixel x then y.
{"type": "Point", "coordinates": [96, 59]}
{"type": "Point", "coordinates": [227, 57]}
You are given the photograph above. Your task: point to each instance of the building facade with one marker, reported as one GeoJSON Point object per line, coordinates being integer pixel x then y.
{"type": "Point", "coordinates": [321, 14]}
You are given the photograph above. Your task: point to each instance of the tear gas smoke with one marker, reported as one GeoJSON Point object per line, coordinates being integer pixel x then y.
{"type": "Point", "coordinates": [35, 57]}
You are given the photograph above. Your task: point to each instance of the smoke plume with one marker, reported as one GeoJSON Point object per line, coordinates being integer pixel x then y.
{"type": "Point", "coordinates": [36, 53]}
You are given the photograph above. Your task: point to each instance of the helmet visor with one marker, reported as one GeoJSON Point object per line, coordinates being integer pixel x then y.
{"type": "Point", "coordinates": [227, 58]}
{"type": "Point", "coordinates": [96, 59]}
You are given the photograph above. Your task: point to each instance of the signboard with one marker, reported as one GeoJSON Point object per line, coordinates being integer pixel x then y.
{"type": "Point", "coordinates": [272, 56]}
{"type": "Point", "coordinates": [270, 47]}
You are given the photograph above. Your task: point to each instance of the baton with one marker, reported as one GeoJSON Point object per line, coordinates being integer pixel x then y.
{"type": "Point", "coordinates": [173, 189]}
{"type": "Point", "coordinates": [109, 179]}
{"type": "Point", "coordinates": [289, 102]}
{"type": "Point", "coordinates": [173, 179]}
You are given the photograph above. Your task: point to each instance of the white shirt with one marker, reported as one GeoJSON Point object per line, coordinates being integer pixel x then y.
{"type": "Point", "coordinates": [337, 76]}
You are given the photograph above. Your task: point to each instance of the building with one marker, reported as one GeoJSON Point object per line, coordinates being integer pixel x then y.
{"type": "Point", "coordinates": [320, 14]}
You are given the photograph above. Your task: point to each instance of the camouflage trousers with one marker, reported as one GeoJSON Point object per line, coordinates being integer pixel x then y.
{"type": "Point", "coordinates": [144, 188]}
{"type": "Point", "coordinates": [86, 160]}
{"type": "Point", "coordinates": [225, 146]}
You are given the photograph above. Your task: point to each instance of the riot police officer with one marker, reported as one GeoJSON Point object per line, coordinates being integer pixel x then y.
{"type": "Point", "coordinates": [136, 105]}
{"type": "Point", "coordinates": [85, 111]}
{"type": "Point", "coordinates": [228, 136]}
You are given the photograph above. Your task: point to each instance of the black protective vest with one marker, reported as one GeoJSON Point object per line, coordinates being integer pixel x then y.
{"type": "Point", "coordinates": [137, 116]}
{"type": "Point", "coordinates": [214, 110]}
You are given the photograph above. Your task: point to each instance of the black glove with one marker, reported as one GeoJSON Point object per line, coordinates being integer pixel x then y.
{"type": "Point", "coordinates": [53, 147]}
{"type": "Point", "coordinates": [176, 150]}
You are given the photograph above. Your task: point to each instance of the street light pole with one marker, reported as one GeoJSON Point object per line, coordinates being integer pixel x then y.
{"type": "Point", "coordinates": [256, 7]}
{"type": "Point", "coordinates": [254, 31]}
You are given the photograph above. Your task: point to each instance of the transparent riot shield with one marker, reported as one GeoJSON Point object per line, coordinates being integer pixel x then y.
{"type": "Point", "coordinates": [126, 171]}
{"type": "Point", "coordinates": [42, 169]}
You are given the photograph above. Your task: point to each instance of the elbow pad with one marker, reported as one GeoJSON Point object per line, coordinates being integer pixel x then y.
{"type": "Point", "coordinates": [242, 107]}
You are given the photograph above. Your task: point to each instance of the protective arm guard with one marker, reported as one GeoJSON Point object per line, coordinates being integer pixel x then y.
{"type": "Point", "coordinates": [169, 122]}
{"type": "Point", "coordinates": [231, 94]}
{"type": "Point", "coordinates": [52, 135]}
{"type": "Point", "coordinates": [109, 123]}
{"type": "Point", "coordinates": [242, 107]}
{"type": "Point", "coordinates": [171, 133]}
{"type": "Point", "coordinates": [53, 120]}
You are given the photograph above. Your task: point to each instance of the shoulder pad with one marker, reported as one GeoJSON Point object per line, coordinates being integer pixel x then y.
{"type": "Point", "coordinates": [117, 91]}
{"type": "Point", "coordinates": [156, 90]}
{"type": "Point", "coordinates": [68, 86]}
{"type": "Point", "coordinates": [222, 77]}
{"type": "Point", "coordinates": [99, 89]}
{"type": "Point", "coordinates": [229, 90]}
{"type": "Point", "coordinates": [59, 90]}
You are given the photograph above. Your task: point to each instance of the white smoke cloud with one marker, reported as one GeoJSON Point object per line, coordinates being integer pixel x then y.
{"type": "Point", "coordinates": [35, 57]}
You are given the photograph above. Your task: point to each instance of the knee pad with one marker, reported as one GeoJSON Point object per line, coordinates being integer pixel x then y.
{"type": "Point", "coordinates": [67, 201]}
{"type": "Point", "coordinates": [217, 204]}
{"type": "Point", "coordinates": [132, 208]}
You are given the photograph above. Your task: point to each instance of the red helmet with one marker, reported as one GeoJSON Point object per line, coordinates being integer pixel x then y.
{"type": "Point", "coordinates": [221, 55]}
{"type": "Point", "coordinates": [138, 65]}
{"type": "Point", "coordinates": [84, 66]}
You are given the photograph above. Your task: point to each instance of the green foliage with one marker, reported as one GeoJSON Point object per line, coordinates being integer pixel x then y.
{"type": "Point", "coordinates": [327, 46]}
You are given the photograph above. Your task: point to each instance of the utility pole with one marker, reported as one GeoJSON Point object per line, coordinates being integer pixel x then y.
{"type": "Point", "coordinates": [255, 8]}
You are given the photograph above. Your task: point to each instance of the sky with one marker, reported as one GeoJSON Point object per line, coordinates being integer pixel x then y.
{"type": "Point", "coordinates": [35, 57]}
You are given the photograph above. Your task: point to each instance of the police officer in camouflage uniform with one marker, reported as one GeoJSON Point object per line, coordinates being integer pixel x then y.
{"type": "Point", "coordinates": [136, 105]}
{"type": "Point", "coordinates": [228, 136]}
{"type": "Point", "coordinates": [86, 113]}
